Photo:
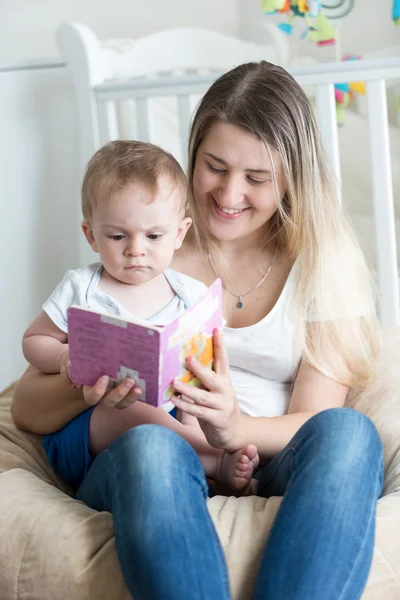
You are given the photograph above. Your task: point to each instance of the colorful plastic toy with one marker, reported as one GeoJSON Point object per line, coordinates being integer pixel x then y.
{"type": "Point", "coordinates": [396, 12]}
{"type": "Point", "coordinates": [318, 29]}
{"type": "Point", "coordinates": [344, 92]}
{"type": "Point", "coordinates": [321, 32]}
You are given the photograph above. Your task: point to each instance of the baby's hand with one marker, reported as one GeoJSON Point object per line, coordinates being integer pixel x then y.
{"type": "Point", "coordinates": [125, 394]}
{"type": "Point", "coordinates": [64, 364]}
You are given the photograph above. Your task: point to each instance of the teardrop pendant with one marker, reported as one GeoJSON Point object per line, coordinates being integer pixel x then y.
{"type": "Point", "coordinates": [240, 302]}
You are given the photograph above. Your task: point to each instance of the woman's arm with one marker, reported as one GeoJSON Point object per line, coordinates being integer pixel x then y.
{"type": "Point", "coordinates": [312, 393]}
{"type": "Point", "coordinates": [45, 403]}
{"type": "Point", "coordinates": [44, 344]}
{"type": "Point", "coordinates": [217, 410]}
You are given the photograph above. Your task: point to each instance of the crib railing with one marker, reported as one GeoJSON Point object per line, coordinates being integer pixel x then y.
{"type": "Point", "coordinates": [323, 77]}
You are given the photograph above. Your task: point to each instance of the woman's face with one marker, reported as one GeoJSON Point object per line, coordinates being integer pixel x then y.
{"type": "Point", "coordinates": [233, 182]}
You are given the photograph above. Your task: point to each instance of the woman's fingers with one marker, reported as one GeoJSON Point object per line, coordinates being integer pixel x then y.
{"type": "Point", "coordinates": [203, 413]}
{"type": "Point", "coordinates": [195, 395]}
{"type": "Point", "coordinates": [210, 380]}
{"type": "Point", "coordinates": [221, 360]}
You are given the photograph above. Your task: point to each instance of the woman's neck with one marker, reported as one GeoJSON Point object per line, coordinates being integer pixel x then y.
{"type": "Point", "coordinates": [246, 247]}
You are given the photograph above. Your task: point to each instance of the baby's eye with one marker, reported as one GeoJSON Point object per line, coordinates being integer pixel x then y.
{"type": "Point", "coordinates": [117, 238]}
{"type": "Point", "coordinates": [154, 236]}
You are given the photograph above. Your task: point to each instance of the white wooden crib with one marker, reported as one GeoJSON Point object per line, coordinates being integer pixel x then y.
{"type": "Point", "coordinates": [179, 65]}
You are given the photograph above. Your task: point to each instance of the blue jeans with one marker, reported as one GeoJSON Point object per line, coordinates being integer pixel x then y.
{"type": "Point", "coordinates": [321, 543]}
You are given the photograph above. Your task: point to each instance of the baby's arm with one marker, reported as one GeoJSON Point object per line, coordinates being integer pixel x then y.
{"type": "Point", "coordinates": [45, 345]}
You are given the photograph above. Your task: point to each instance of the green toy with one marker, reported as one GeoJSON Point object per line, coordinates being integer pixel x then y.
{"type": "Point", "coordinates": [318, 29]}
{"type": "Point", "coordinates": [396, 12]}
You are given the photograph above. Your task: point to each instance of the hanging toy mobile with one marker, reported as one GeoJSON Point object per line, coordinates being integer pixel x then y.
{"type": "Point", "coordinates": [344, 92]}
{"type": "Point", "coordinates": [318, 29]}
{"type": "Point", "coordinates": [396, 12]}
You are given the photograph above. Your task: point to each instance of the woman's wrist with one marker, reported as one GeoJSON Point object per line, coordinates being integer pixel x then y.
{"type": "Point", "coordinates": [237, 439]}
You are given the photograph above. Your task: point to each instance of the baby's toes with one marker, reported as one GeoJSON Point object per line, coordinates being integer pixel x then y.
{"type": "Point", "coordinates": [244, 460]}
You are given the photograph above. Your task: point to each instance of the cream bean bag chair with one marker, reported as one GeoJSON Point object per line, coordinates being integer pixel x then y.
{"type": "Point", "coordinates": [55, 548]}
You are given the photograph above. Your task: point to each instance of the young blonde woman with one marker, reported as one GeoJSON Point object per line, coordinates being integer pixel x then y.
{"type": "Point", "coordinates": [301, 332]}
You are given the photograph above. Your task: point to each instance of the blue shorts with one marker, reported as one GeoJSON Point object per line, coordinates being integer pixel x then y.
{"type": "Point", "coordinates": [68, 448]}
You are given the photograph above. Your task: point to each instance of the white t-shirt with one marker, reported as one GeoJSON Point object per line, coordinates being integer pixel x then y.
{"type": "Point", "coordinates": [264, 359]}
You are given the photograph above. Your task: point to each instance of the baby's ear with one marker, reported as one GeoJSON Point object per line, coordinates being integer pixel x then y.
{"type": "Point", "coordinates": [182, 231]}
{"type": "Point", "coordinates": [88, 231]}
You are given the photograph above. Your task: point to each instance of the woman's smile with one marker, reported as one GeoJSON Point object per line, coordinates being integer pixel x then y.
{"type": "Point", "coordinates": [228, 213]}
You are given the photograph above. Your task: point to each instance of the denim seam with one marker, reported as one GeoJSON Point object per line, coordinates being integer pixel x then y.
{"type": "Point", "coordinates": [281, 458]}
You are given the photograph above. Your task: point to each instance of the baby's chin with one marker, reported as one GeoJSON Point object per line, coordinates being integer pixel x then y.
{"type": "Point", "coordinates": [135, 276]}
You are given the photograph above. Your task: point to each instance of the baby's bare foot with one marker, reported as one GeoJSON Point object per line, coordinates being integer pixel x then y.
{"type": "Point", "coordinates": [236, 469]}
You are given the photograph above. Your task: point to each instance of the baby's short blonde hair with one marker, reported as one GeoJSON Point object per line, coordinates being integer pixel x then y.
{"type": "Point", "coordinates": [122, 162]}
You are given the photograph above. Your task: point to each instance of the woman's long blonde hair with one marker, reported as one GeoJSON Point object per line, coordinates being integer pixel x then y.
{"type": "Point", "coordinates": [334, 304]}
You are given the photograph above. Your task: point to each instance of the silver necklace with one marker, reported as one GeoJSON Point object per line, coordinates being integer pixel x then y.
{"type": "Point", "coordinates": [240, 297]}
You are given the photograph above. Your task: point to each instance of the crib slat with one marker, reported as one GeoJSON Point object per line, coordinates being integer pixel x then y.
{"type": "Point", "coordinates": [326, 115]}
{"type": "Point", "coordinates": [108, 122]}
{"type": "Point", "coordinates": [103, 129]}
{"type": "Point", "coordinates": [184, 115]}
{"type": "Point", "coordinates": [142, 119]}
{"type": "Point", "coordinates": [382, 191]}
{"type": "Point", "coordinates": [112, 121]}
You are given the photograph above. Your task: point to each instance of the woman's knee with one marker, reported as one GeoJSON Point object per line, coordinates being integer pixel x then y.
{"type": "Point", "coordinates": [153, 449]}
{"type": "Point", "coordinates": [347, 439]}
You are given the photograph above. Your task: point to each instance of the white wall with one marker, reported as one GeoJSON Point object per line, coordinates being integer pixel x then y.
{"type": "Point", "coordinates": [38, 200]}
{"type": "Point", "coordinates": [27, 27]}
{"type": "Point", "coordinates": [366, 30]}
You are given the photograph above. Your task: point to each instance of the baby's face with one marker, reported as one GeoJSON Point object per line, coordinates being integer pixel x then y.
{"type": "Point", "coordinates": [135, 235]}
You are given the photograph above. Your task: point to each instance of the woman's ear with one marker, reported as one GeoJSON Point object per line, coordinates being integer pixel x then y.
{"type": "Point", "coordinates": [182, 230]}
{"type": "Point", "coordinates": [88, 231]}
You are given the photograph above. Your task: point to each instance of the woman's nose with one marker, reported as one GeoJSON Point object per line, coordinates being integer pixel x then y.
{"type": "Point", "coordinates": [230, 194]}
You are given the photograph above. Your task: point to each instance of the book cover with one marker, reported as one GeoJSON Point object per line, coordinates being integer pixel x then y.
{"type": "Point", "coordinates": [101, 344]}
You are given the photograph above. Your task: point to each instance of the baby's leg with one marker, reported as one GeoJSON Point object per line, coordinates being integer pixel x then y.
{"type": "Point", "coordinates": [233, 470]}
{"type": "Point", "coordinates": [106, 424]}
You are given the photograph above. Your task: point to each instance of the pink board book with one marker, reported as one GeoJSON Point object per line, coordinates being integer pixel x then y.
{"type": "Point", "coordinates": [101, 344]}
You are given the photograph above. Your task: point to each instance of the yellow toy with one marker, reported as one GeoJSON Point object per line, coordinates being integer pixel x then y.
{"type": "Point", "coordinates": [318, 29]}
{"type": "Point", "coordinates": [344, 92]}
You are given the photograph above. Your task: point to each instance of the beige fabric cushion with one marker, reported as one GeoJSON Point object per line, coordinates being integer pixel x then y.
{"type": "Point", "coordinates": [55, 548]}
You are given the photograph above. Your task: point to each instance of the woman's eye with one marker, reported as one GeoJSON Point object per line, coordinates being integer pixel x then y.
{"type": "Point", "coordinates": [154, 236]}
{"type": "Point", "coordinates": [256, 181]}
{"type": "Point", "coordinates": [117, 238]}
{"type": "Point", "coordinates": [215, 170]}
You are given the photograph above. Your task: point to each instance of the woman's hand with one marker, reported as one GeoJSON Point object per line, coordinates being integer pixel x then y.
{"type": "Point", "coordinates": [125, 394]}
{"type": "Point", "coordinates": [216, 406]}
